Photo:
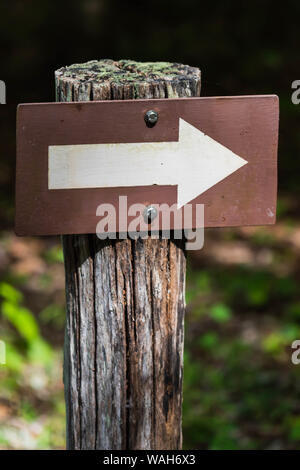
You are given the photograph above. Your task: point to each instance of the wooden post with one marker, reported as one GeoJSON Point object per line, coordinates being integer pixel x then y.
{"type": "Point", "coordinates": [125, 299]}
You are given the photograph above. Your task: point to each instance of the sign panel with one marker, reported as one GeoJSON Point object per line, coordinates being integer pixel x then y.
{"type": "Point", "coordinates": [72, 157]}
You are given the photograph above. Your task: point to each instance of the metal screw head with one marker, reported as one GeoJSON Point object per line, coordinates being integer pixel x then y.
{"type": "Point", "coordinates": [151, 118]}
{"type": "Point", "coordinates": [149, 214]}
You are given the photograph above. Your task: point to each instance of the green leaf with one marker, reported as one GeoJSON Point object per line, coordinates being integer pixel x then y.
{"type": "Point", "coordinates": [220, 313]}
{"type": "Point", "coordinates": [14, 360]}
{"type": "Point", "coordinates": [9, 293]}
{"type": "Point", "coordinates": [209, 340]}
{"type": "Point", "coordinates": [40, 352]}
{"type": "Point", "coordinates": [22, 319]}
{"type": "Point", "coordinates": [273, 343]}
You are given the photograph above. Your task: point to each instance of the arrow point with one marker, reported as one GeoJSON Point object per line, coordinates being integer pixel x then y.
{"type": "Point", "coordinates": [186, 192]}
{"type": "Point", "coordinates": [206, 162]}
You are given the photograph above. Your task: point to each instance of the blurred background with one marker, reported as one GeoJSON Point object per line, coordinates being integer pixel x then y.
{"type": "Point", "coordinates": [241, 390]}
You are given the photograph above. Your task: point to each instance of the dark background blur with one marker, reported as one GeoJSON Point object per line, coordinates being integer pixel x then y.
{"type": "Point", "coordinates": [241, 390]}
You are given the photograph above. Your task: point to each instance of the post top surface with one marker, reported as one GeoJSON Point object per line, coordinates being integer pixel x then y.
{"type": "Point", "coordinates": [124, 71]}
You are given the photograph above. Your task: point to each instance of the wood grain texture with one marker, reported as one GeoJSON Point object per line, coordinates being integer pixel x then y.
{"type": "Point", "coordinates": [125, 302]}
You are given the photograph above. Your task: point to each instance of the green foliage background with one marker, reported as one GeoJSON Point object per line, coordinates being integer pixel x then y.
{"type": "Point", "coordinates": [241, 390]}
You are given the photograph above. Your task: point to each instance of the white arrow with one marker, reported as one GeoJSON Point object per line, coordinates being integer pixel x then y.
{"type": "Point", "coordinates": [195, 163]}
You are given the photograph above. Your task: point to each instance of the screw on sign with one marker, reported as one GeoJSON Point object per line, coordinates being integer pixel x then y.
{"type": "Point", "coordinates": [150, 213]}
{"type": "Point", "coordinates": [151, 118]}
{"type": "Point", "coordinates": [125, 297]}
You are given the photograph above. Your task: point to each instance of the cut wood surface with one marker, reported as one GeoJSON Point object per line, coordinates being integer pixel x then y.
{"type": "Point", "coordinates": [123, 365]}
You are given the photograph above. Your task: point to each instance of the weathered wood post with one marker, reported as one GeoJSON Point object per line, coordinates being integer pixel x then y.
{"type": "Point", "coordinates": [125, 299]}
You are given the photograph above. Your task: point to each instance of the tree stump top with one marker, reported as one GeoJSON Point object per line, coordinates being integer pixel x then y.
{"type": "Point", "coordinates": [177, 79]}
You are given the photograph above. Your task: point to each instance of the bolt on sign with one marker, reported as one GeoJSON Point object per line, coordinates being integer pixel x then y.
{"type": "Point", "coordinates": [216, 151]}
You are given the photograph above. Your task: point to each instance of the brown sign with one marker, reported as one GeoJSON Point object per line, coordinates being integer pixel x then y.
{"type": "Point", "coordinates": [73, 157]}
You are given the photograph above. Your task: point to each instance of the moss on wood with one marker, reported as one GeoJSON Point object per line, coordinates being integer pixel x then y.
{"type": "Point", "coordinates": [125, 71]}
